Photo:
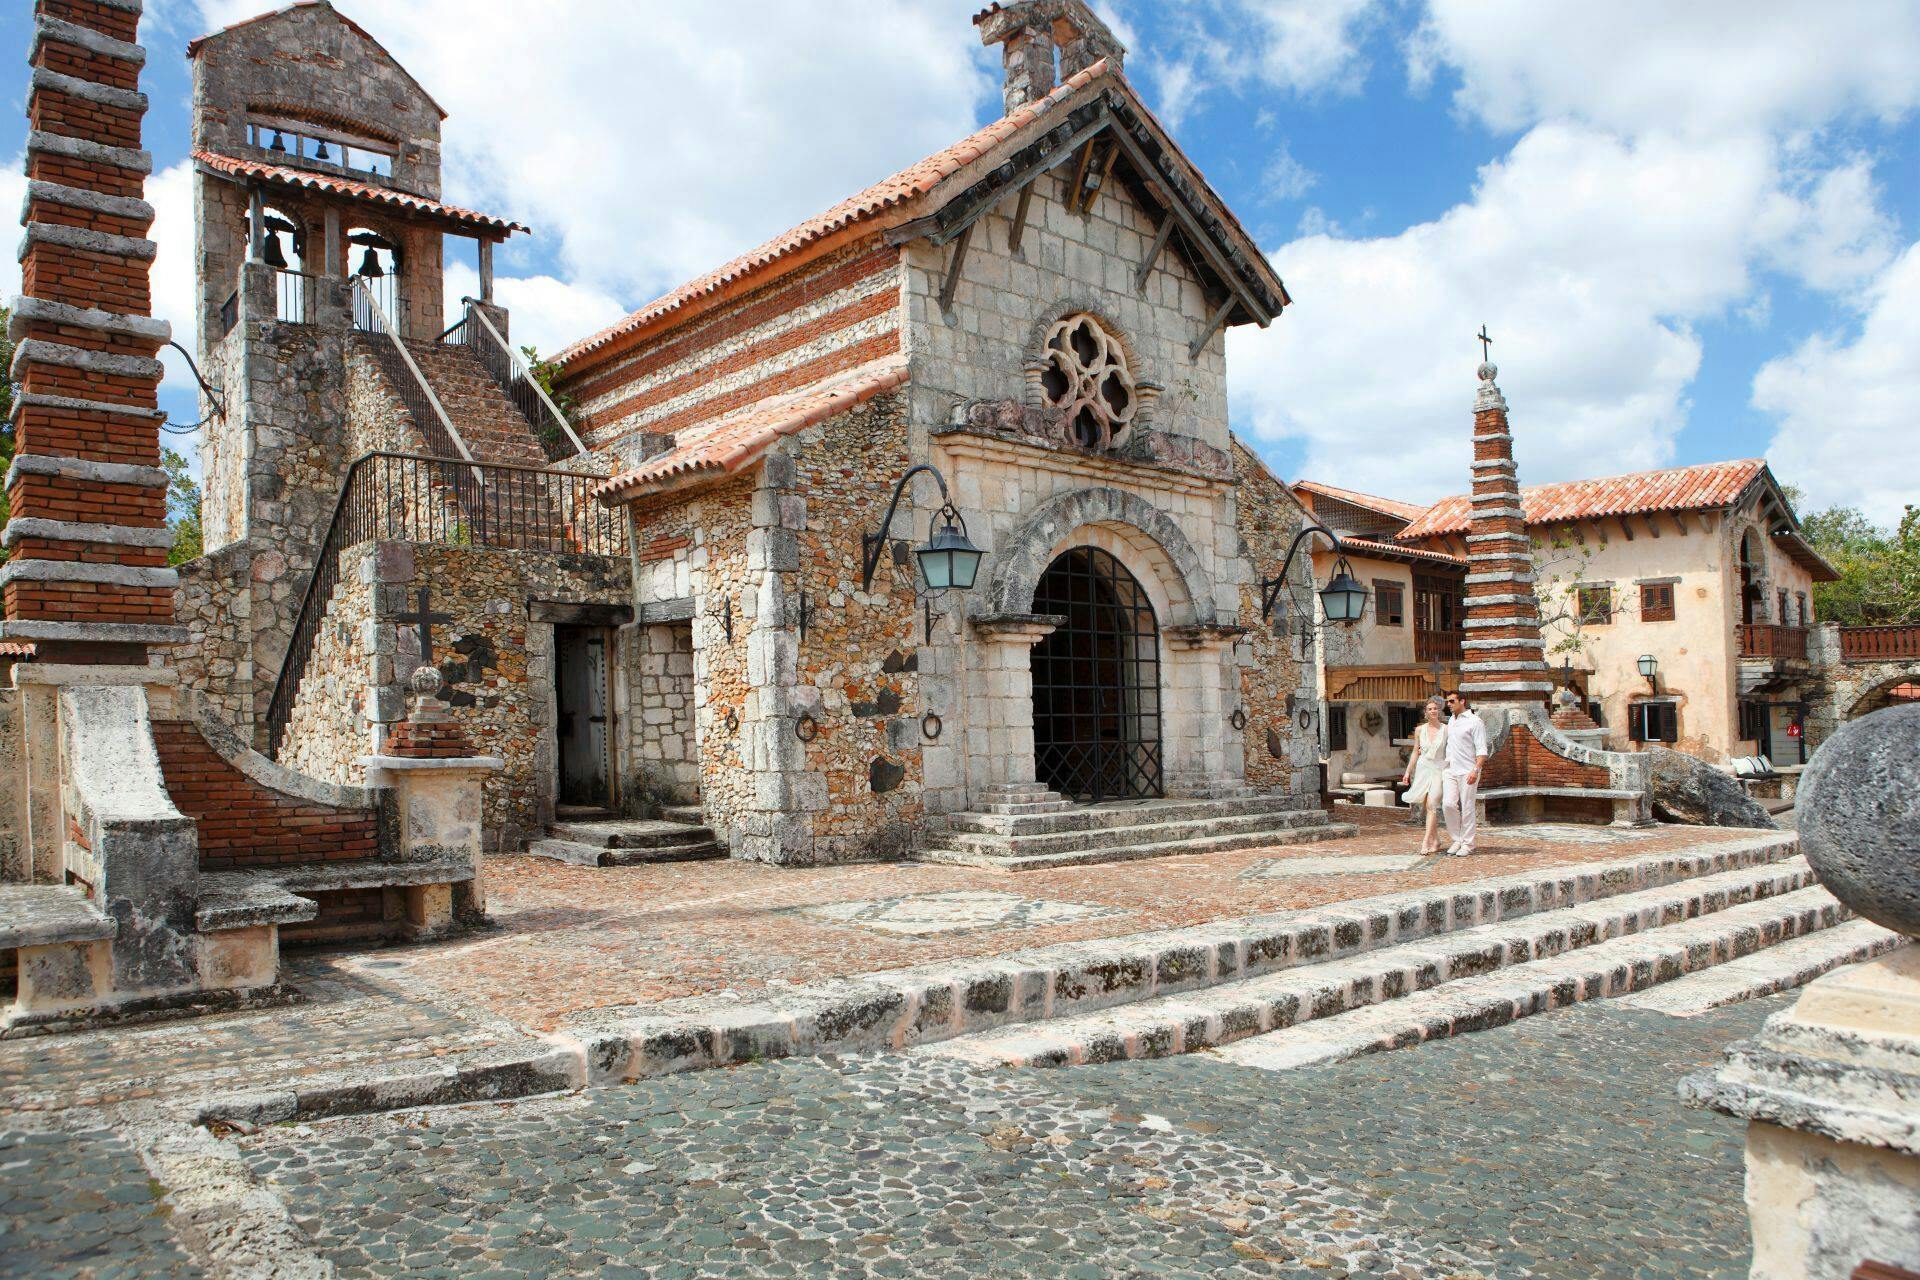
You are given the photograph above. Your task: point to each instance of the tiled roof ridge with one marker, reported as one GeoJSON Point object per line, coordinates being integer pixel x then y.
{"type": "Point", "coordinates": [1400, 549]}
{"type": "Point", "coordinates": [728, 444]}
{"type": "Point", "coordinates": [915, 180]}
{"type": "Point", "coordinates": [1588, 498]}
{"type": "Point", "coordinates": [313, 181]}
{"type": "Point", "coordinates": [1372, 501]}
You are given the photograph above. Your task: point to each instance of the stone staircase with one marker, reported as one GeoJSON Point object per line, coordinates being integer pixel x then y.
{"type": "Point", "coordinates": [627, 842]}
{"type": "Point", "coordinates": [494, 429]}
{"type": "Point", "coordinates": [1031, 828]}
{"type": "Point", "coordinates": [1326, 1007]}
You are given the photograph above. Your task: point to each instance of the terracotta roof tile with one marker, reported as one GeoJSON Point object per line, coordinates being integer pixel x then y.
{"type": "Point", "coordinates": [307, 180]}
{"type": "Point", "coordinates": [910, 183]}
{"type": "Point", "coordinates": [1385, 506]}
{"type": "Point", "coordinates": [729, 444]}
{"type": "Point", "coordinates": [1696, 488]}
{"type": "Point", "coordinates": [1394, 551]}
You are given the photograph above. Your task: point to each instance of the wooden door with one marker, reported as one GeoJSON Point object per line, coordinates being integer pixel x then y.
{"type": "Point", "coordinates": [581, 670]}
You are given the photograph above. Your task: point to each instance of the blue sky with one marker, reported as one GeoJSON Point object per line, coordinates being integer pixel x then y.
{"type": "Point", "coordinates": [1690, 229]}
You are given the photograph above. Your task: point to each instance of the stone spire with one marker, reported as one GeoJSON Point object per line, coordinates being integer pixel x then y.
{"type": "Point", "coordinates": [1033, 34]}
{"type": "Point", "coordinates": [1504, 655]}
{"type": "Point", "coordinates": [87, 581]}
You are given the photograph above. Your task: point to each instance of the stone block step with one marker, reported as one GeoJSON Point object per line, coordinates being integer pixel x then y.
{"type": "Point", "coordinates": [686, 814]}
{"type": "Point", "coordinates": [1146, 833]}
{"type": "Point", "coordinates": [629, 833]}
{"type": "Point", "coordinates": [1233, 1011]}
{"type": "Point", "coordinates": [703, 849]}
{"type": "Point", "coordinates": [1124, 813]}
{"type": "Point", "coordinates": [1613, 968]}
{"type": "Point", "coordinates": [1782, 968]}
{"type": "Point", "coordinates": [1316, 828]}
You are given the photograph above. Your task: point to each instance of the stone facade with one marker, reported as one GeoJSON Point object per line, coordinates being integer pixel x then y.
{"type": "Point", "coordinates": [1284, 734]}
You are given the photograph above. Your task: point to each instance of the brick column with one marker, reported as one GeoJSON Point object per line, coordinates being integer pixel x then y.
{"type": "Point", "coordinates": [1504, 658]}
{"type": "Point", "coordinates": [87, 581]}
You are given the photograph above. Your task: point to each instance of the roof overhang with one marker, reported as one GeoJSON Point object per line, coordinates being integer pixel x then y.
{"type": "Point", "coordinates": [1796, 548]}
{"type": "Point", "coordinates": [450, 217]}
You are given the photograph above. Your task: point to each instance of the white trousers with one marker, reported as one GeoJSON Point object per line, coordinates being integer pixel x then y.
{"type": "Point", "coordinates": [1457, 804]}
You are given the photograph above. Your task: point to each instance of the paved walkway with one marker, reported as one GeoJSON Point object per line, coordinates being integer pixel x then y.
{"type": "Point", "coordinates": [1550, 1148]}
{"type": "Point", "coordinates": [573, 939]}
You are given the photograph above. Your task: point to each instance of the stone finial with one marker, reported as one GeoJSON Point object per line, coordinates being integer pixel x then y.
{"type": "Point", "coordinates": [1034, 35]}
{"type": "Point", "coordinates": [1859, 817]}
{"type": "Point", "coordinates": [1488, 397]}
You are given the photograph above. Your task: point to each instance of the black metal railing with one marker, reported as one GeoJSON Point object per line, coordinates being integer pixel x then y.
{"type": "Point", "coordinates": [427, 414]}
{"type": "Point", "coordinates": [230, 313]}
{"type": "Point", "coordinates": [404, 497]}
{"type": "Point", "coordinates": [293, 295]}
{"type": "Point", "coordinates": [511, 370]}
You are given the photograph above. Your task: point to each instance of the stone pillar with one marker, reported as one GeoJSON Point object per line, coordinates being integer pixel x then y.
{"type": "Point", "coordinates": [1203, 751]}
{"type": "Point", "coordinates": [1503, 654]}
{"type": "Point", "coordinates": [437, 778]}
{"type": "Point", "coordinates": [1831, 1089]}
{"type": "Point", "coordinates": [87, 580]}
{"type": "Point", "coordinates": [999, 710]}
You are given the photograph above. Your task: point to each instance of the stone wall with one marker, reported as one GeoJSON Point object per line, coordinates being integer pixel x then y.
{"type": "Point", "coordinates": [666, 758]}
{"type": "Point", "coordinates": [329, 730]}
{"type": "Point", "coordinates": [1276, 662]}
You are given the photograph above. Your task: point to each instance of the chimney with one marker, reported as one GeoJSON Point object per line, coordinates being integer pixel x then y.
{"type": "Point", "coordinates": [1504, 657]}
{"type": "Point", "coordinates": [1043, 42]}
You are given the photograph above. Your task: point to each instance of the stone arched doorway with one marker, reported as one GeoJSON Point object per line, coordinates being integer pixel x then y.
{"type": "Point", "coordinates": [1096, 681]}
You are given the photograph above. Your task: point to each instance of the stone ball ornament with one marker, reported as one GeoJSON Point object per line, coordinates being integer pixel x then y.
{"type": "Point", "coordinates": [426, 681]}
{"type": "Point", "coordinates": [1859, 810]}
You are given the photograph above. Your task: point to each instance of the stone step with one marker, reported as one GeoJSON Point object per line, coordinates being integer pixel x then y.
{"type": "Point", "coordinates": [1782, 968]}
{"type": "Point", "coordinates": [1112, 837]}
{"type": "Point", "coordinates": [1232, 1011]}
{"type": "Point", "coordinates": [1122, 813]}
{"type": "Point", "coordinates": [597, 855]}
{"type": "Point", "coordinates": [1271, 837]}
{"type": "Point", "coordinates": [1614, 968]}
{"type": "Point", "coordinates": [686, 814]}
{"type": "Point", "coordinates": [629, 833]}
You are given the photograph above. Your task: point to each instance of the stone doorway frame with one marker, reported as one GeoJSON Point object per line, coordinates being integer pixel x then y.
{"type": "Point", "coordinates": [543, 616]}
{"type": "Point", "coordinates": [1199, 684]}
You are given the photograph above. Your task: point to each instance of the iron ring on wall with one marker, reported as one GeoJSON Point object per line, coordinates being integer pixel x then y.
{"type": "Point", "coordinates": [930, 725]}
{"type": "Point", "coordinates": [1239, 718]}
{"type": "Point", "coordinates": [806, 728]}
{"type": "Point", "coordinates": [732, 721]}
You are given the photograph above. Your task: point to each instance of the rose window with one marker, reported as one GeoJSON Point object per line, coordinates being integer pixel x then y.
{"type": "Point", "coordinates": [1087, 376]}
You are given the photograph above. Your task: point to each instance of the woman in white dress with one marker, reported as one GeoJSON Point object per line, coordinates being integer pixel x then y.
{"type": "Point", "coordinates": [1426, 770]}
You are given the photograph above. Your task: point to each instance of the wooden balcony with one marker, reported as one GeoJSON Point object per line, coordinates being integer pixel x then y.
{"type": "Point", "coordinates": [1873, 644]}
{"type": "Point", "coordinates": [1437, 646]}
{"type": "Point", "coordinates": [1770, 640]}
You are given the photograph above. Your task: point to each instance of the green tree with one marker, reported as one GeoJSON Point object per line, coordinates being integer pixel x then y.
{"type": "Point", "coordinates": [546, 373]}
{"type": "Point", "coordinates": [183, 508]}
{"type": "Point", "coordinates": [1879, 569]}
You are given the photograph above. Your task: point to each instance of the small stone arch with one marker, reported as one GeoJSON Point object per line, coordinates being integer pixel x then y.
{"type": "Point", "coordinates": [1149, 531]}
{"type": "Point", "coordinates": [1878, 695]}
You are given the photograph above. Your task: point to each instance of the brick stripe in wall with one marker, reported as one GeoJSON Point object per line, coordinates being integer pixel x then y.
{"type": "Point", "coordinates": [86, 425]}
{"type": "Point", "coordinates": [244, 824]}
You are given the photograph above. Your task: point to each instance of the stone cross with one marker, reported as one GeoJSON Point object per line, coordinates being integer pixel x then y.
{"type": "Point", "coordinates": [1486, 344]}
{"type": "Point", "coordinates": [423, 618]}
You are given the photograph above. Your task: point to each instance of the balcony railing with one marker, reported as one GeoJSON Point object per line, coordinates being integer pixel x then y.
{"type": "Point", "coordinates": [293, 295]}
{"type": "Point", "coordinates": [393, 497]}
{"type": "Point", "coordinates": [1437, 646]}
{"type": "Point", "coordinates": [1859, 644]}
{"type": "Point", "coordinates": [477, 333]}
{"type": "Point", "coordinates": [1771, 640]}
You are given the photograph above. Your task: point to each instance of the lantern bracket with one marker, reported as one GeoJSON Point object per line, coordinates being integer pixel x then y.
{"type": "Point", "coordinates": [1270, 587]}
{"type": "Point", "coordinates": [872, 544]}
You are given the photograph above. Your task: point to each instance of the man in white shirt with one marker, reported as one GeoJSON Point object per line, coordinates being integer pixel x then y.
{"type": "Point", "coordinates": [1466, 756]}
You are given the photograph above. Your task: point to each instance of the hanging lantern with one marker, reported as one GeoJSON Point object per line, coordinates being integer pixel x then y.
{"type": "Point", "coordinates": [370, 268]}
{"type": "Point", "coordinates": [275, 256]}
{"type": "Point", "coordinates": [1343, 598]}
{"type": "Point", "coordinates": [948, 560]}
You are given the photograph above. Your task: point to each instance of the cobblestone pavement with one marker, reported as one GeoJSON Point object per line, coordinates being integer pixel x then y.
{"type": "Point", "coordinates": [80, 1204]}
{"type": "Point", "coordinates": [1550, 1148]}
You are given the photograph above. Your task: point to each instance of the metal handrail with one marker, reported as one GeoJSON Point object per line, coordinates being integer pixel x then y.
{"type": "Point", "coordinates": [522, 371]}
{"type": "Point", "coordinates": [382, 325]}
{"type": "Point", "coordinates": [408, 497]}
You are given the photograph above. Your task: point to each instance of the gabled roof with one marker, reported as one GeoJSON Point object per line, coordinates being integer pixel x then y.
{"type": "Point", "coordinates": [727, 445]}
{"type": "Point", "coordinates": [1395, 551]}
{"type": "Point", "coordinates": [1367, 501]}
{"type": "Point", "coordinates": [896, 200]}
{"type": "Point", "coordinates": [1703, 487]}
{"type": "Point", "coordinates": [194, 46]}
{"type": "Point", "coordinates": [281, 175]}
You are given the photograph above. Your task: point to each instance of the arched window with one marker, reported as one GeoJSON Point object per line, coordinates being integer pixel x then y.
{"type": "Point", "coordinates": [1087, 377]}
{"type": "Point", "coordinates": [283, 246]}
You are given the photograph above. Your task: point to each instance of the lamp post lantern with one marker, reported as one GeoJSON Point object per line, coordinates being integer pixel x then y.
{"type": "Point", "coordinates": [948, 559]}
{"type": "Point", "coordinates": [1343, 599]}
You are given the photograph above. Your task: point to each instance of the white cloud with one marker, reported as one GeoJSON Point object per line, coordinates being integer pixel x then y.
{"type": "Point", "coordinates": [1303, 47]}
{"type": "Point", "coordinates": [1589, 257]}
{"type": "Point", "coordinates": [1849, 410]}
{"type": "Point", "coordinates": [1705, 67]}
{"type": "Point", "coordinates": [13, 190]}
{"type": "Point", "coordinates": [648, 143]}
{"type": "Point", "coordinates": [1285, 178]}
{"type": "Point", "coordinates": [545, 313]}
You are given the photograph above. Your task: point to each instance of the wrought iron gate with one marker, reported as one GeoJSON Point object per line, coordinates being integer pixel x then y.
{"type": "Point", "coordinates": [1096, 681]}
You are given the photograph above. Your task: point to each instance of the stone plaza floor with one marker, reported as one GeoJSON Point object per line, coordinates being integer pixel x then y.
{"type": "Point", "coordinates": [1554, 1147]}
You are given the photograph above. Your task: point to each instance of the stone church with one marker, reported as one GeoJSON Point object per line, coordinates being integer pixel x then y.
{"type": "Point", "coordinates": [660, 598]}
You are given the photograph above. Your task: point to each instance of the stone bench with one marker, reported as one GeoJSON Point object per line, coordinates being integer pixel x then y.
{"type": "Point", "coordinates": [1628, 806]}
{"type": "Point", "coordinates": [59, 944]}
{"type": "Point", "coordinates": [426, 886]}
